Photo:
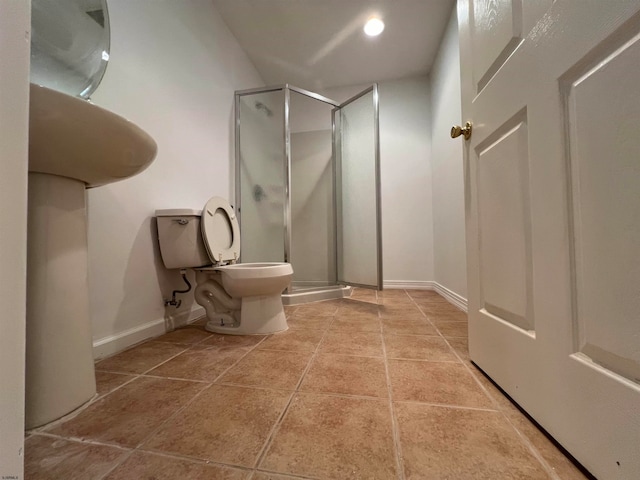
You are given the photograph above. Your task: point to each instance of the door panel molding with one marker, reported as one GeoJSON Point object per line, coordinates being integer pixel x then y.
{"type": "Point", "coordinates": [604, 204]}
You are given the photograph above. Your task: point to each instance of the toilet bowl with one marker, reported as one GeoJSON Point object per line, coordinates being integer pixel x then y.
{"type": "Point", "coordinates": [239, 298]}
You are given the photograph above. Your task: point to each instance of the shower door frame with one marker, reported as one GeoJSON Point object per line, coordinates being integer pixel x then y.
{"type": "Point", "coordinates": [287, 89]}
{"type": "Point", "coordinates": [337, 159]}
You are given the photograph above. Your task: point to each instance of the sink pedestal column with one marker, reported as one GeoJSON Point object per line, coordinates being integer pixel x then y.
{"type": "Point", "coordinates": [60, 374]}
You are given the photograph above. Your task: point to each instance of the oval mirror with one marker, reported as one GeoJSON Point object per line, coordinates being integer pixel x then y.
{"type": "Point", "coordinates": [69, 44]}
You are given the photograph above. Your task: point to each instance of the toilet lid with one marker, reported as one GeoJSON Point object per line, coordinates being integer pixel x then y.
{"type": "Point", "coordinates": [220, 230]}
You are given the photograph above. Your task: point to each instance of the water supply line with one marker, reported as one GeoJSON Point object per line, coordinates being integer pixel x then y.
{"type": "Point", "coordinates": [173, 301]}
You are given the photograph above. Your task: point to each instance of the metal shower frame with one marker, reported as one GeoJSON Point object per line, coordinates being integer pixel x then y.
{"type": "Point", "coordinates": [287, 89]}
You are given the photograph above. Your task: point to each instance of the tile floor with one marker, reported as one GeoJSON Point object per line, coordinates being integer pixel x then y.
{"type": "Point", "coordinates": [377, 386]}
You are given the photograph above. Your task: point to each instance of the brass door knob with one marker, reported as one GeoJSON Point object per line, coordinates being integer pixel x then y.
{"type": "Point", "coordinates": [457, 130]}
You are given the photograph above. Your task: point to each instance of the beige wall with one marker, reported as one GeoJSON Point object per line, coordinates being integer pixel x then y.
{"type": "Point", "coordinates": [173, 69]}
{"type": "Point", "coordinates": [447, 166]}
{"type": "Point", "coordinates": [14, 93]}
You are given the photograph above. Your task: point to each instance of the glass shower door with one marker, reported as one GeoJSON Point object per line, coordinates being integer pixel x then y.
{"type": "Point", "coordinates": [358, 226]}
{"type": "Point", "coordinates": [261, 178]}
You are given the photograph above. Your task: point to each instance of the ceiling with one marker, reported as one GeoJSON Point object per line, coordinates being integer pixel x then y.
{"type": "Point", "coordinates": [316, 44]}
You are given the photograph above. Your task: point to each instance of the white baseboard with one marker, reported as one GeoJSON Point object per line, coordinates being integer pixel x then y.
{"type": "Point", "coordinates": [409, 284]}
{"type": "Point", "coordinates": [458, 300]}
{"type": "Point", "coordinates": [451, 296]}
{"type": "Point", "coordinates": [120, 341]}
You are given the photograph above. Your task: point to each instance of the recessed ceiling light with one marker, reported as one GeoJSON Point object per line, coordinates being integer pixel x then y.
{"type": "Point", "coordinates": [373, 27]}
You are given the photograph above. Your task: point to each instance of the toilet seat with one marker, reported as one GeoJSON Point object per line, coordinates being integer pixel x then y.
{"type": "Point", "coordinates": [220, 231]}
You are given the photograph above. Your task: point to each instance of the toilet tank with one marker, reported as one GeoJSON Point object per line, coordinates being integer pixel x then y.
{"type": "Point", "coordinates": [181, 244]}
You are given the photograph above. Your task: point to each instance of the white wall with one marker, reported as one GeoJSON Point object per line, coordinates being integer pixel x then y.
{"type": "Point", "coordinates": [405, 170]}
{"type": "Point", "coordinates": [447, 166]}
{"type": "Point", "coordinates": [174, 67]}
{"type": "Point", "coordinates": [14, 94]}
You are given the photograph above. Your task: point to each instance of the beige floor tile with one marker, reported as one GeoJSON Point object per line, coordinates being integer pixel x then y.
{"type": "Point", "coordinates": [269, 369]}
{"type": "Point", "coordinates": [356, 323]}
{"type": "Point", "coordinates": [452, 329]}
{"type": "Point", "coordinates": [352, 343]}
{"type": "Point", "coordinates": [431, 299]}
{"type": "Point", "coordinates": [149, 466]}
{"type": "Point", "coordinates": [107, 381]}
{"type": "Point", "coordinates": [128, 415]}
{"type": "Point", "coordinates": [290, 309]}
{"type": "Point", "coordinates": [231, 342]}
{"type": "Point", "coordinates": [458, 316]}
{"type": "Point", "coordinates": [556, 459]}
{"type": "Point", "coordinates": [422, 294]}
{"type": "Point", "coordinates": [393, 293]}
{"type": "Point", "coordinates": [356, 307]}
{"type": "Point", "coordinates": [437, 308]}
{"type": "Point", "coordinates": [408, 326]}
{"type": "Point", "coordinates": [418, 347]}
{"type": "Point", "coordinates": [235, 430]}
{"type": "Point", "coordinates": [295, 340]}
{"type": "Point", "coordinates": [274, 476]}
{"type": "Point", "coordinates": [346, 375]}
{"type": "Point", "coordinates": [48, 458]}
{"type": "Point", "coordinates": [334, 437]}
{"type": "Point", "coordinates": [189, 335]}
{"type": "Point", "coordinates": [327, 307]}
{"type": "Point", "coordinates": [445, 383]}
{"type": "Point", "coordinates": [310, 322]}
{"type": "Point", "coordinates": [400, 311]}
{"type": "Point", "coordinates": [440, 442]}
{"type": "Point", "coordinates": [396, 301]}
{"type": "Point", "coordinates": [461, 346]}
{"type": "Point", "coordinates": [500, 399]}
{"type": "Point", "coordinates": [200, 363]}
{"type": "Point", "coordinates": [141, 358]}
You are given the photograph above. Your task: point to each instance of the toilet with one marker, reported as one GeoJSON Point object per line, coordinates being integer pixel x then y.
{"type": "Point", "coordinates": [239, 298]}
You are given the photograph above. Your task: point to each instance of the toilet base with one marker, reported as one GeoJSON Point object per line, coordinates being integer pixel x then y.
{"type": "Point", "coordinates": [259, 315]}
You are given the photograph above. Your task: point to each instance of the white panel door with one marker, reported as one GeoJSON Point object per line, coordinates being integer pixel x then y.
{"type": "Point", "coordinates": [552, 177]}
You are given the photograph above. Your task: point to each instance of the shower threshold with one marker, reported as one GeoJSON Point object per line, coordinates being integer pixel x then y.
{"type": "Point", "coordinates": [316, 294]}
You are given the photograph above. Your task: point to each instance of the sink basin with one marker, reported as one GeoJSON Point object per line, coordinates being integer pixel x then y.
{"type": "Point", "coordinates": [74, 138]}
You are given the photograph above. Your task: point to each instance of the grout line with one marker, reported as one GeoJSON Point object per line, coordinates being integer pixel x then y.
{"type": "Point", "coordinates": [148, 375]}
{"type": "Point", "coordinates": [423, 360]}
{"type": "Point", "coordinates": [280, 474]}
{"type": "Point", "coordinates": [448, 405]}
{"type": "Point", "coordinates": [86, 441]}
{"type": "Point", "coordinates": [254, 347]}
{"type": "Point", "coordinates": [254, 387]}
{"type": "Point", "coordinates": [280, 420]}
{"type": "Point", "coordinates": [395, 429]}
{"type": "Point", "coordinates": [197, 460]}
{"type": "Point", "coordinates": [162, 424]}
{"type": "Point", "coordinates": [321, 353]}
{"type": "Point", "coordinates": [117, 465]}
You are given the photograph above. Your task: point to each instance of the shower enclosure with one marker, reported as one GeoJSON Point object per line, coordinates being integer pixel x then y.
{"type": "Point", "coordinates": [308, 187]}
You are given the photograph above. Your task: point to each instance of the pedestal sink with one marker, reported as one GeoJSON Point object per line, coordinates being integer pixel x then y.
{"type": "Point", "coordinates": [73, 145]}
